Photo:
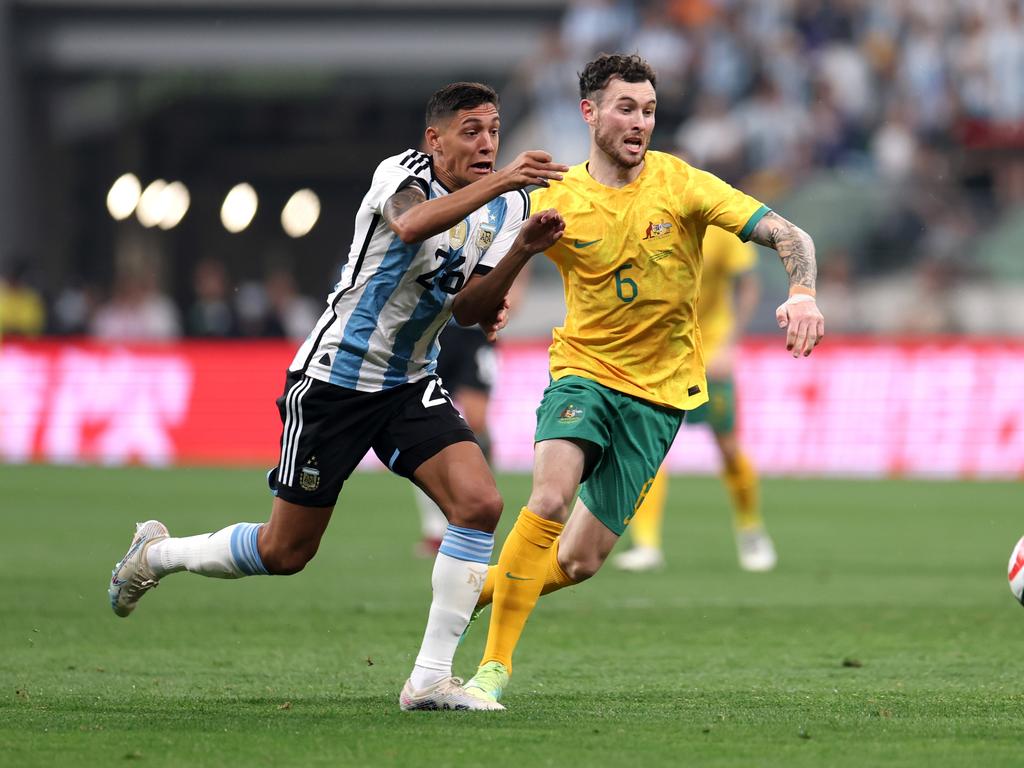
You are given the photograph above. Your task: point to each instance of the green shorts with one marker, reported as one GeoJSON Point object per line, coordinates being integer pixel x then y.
{"type": "Point", "coordinates": [720, 410]}
{"type": "Point", "coordinates": [632, 436]}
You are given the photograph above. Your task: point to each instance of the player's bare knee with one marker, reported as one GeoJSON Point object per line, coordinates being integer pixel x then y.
{"type": "Point", "coordinates": [580, 569]}
{"type": "Point", "coordinates": [481, 512]}
{"type": "Point", "coordinates": [549, 503]}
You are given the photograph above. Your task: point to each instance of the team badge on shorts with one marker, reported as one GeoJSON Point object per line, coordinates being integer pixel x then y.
{"type": "Point", "coordinates": [309, 477]}
{"type": "Point", "coordinates": [570, 415]}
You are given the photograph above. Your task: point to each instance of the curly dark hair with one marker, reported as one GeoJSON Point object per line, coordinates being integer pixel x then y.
{"type": "Point", "coordinates": [631, 69]}
{"type": "Point", "coordinates": [455, 96]}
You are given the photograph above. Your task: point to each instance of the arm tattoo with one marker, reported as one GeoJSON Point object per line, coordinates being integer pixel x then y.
{"type": "Point", "coordinates": [402, 201]}
{"type": "Point", "coordinates": [795, 248]}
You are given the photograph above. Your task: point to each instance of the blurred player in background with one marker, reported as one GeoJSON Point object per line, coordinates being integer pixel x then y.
{"type": "Point", "coordinates": [728, 270]}
{"type": "Point", "coordinates": [627, 364]}
{"type": "Point", "coordinates": [427, 232]}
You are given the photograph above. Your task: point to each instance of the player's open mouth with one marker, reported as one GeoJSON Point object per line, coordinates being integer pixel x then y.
{"type": "Point", "coordinates": [634, 143]}
{"type": "Point", "coordinates": [482, 167]}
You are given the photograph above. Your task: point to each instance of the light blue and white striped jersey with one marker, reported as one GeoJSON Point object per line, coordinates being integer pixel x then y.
{"type": "Point", "coordinates": [383, 317]}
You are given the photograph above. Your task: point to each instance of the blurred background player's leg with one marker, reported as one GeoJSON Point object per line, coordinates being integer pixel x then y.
{"type": "Point", "coordinates": [646, 554]}
{"type": "Point", "coordinates": [433, 525]}
{"type": "Point", "coordinates": [754, 547]}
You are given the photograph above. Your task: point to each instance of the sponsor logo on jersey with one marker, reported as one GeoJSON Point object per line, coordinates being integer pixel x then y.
{"type": "Point", "coordinates": [457, 235]}
{"type": "Point", "coordinates": [657, 230]}
{"type": "Point", "coordinates": [571, 414]}
{"type": "Point", "coordinates": [584, 243]}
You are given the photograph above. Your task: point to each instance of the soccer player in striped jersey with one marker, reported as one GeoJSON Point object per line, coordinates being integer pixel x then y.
{"type": "Point", "coordinates": [627, 363]}
{"type": "Point", "coordinates": [437, 235]}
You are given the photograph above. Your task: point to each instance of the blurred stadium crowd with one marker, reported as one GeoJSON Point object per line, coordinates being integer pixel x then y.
{"type": "Point", "coordinates": [893, 130]}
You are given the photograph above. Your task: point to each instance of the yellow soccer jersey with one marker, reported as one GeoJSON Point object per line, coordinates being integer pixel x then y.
{"type": "Point", "coordinates": [631, 263]}
{"type": "Point", "coordinates": [725, 257]}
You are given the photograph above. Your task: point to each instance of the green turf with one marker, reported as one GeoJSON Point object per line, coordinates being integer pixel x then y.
{"type": "Point", "coordinates": [887, 636]}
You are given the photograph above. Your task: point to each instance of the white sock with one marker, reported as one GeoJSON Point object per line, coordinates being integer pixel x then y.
{"type": "Point", "coordinates": [433, 523]}
{"type": "Point", "coordinates": [459, 573]}
{"type": "Point", "coordinates": [230, 553]}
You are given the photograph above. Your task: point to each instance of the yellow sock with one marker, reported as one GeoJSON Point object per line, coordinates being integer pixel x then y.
{"type": "Point", "coordinates": [554, 579]}
{"type": "Point", "coordinates": [518, 582]}
{"type": "Point", "coordinates": [645, 527]}
{"type": "Point", "coordinates": [741, 481]}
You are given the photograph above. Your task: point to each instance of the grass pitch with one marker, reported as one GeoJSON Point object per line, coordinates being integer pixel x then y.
{"type": "Point", "coordinates": [886, 636]}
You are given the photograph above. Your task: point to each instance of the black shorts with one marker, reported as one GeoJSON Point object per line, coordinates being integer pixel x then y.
{"type": "Point", "coordinates": [467, 360]}
{"type": "Point", "coordinates": [328, 430]}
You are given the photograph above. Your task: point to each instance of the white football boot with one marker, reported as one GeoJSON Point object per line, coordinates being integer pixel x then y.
{"type": "Point", "coordinates": [639, 559]}
{"type": "Point", "coordinates": [755, 550]}
{"type": "Point", "coordinates": [447, 694]}
{"type": "Point", "coordinates": [132, 576]}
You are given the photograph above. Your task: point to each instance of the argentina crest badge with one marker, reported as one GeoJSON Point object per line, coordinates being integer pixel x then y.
{"type": "Point", "coordinates": [484, 238]}
{"type": "Point", "coordinates": [309, 477]}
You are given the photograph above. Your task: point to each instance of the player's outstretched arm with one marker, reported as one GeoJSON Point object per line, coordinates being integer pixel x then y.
{"type": "Point", "coordinates": [799, 315]}
{"type": "Point", "coordinates": [484, 298]}
{"type": "Point", "coordinates": [414, 218]}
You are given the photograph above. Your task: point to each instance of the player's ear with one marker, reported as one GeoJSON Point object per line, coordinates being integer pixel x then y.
{"type": "Point", "coordinates": [432, 138]}
{"type": "Point", "coordinates": [588, 108]}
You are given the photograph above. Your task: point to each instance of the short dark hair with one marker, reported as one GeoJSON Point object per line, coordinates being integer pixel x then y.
{"type": "Point", "coordinates": [455, 96]}
{"type": "Point", "coordinates": [631, 69]}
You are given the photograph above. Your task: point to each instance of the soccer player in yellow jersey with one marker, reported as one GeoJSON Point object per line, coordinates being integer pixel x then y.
{"type": "Point", "coordinates": [627, 364]}
{"type": "Point", "coordinates": [728, 269]}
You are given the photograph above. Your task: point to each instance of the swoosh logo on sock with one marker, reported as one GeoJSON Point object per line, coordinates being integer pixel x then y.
{"type": "Point", "coordinates": [510, 575]}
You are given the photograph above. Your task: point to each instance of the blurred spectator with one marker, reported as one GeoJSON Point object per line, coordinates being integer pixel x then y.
{"type": "Point", "coordinates": [275, 308]}
{"type": "Point", "coordinates": [295, 314]}
{"type": "Point", "coordinates": [894, 146]}
{"type": "Point", "coordinates": [551, 84]}
{"type": "Point", "coordinates": [664, 47]}
{"type": "Point", "coordinates": [211, 314]}
{"type": "Point", "coordinates": [723, 60]}
{"type": "Point", "coordinates": [252, 308]}
{"type": "Point", "coordinates": [929, 305]}
{"type": "Point", "coordinates": [137, 311]}
{"type": "Point", "coordinates": [776, 132]}
{"type": "Point", "coordinates": [844, 69]}
{"type": "Point", "coordinates": [1005, 48]}
{"type": "Point", "coordinates": [712, 138]}
{"type": "Point", "coordinates": [22, 310]}
{"type": "Point", "coordinates": [923, 74]}
{"type": "Point", "coordinates": [73, 309]}
{"type": "Point", "coordinates": [591, 26]}
{"type": "Point", "coordinates": [837, 294]}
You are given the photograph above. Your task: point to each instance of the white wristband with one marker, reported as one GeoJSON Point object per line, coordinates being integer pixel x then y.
{"type": "Point", "coordinates": [796, 298]}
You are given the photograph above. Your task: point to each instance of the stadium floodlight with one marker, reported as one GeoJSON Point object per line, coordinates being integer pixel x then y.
{"type": "Point", "coordinates": [174, 201]}
{"type": "Point", "coordinates": [300, 213]}
{"type": "Point", "coordinates": [239, 207]}
{"type": "Point", "coordinates": [150, 209]}
{"type": "Point", "coordinates": [124, 196]}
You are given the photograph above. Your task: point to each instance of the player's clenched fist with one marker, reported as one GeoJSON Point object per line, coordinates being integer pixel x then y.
{"type": "Point", "coordinates": [533, 167]}
{"type": "Point", "coordinates": [804, 324]}
{"type": "Point", "coordinates": [541, 230]}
